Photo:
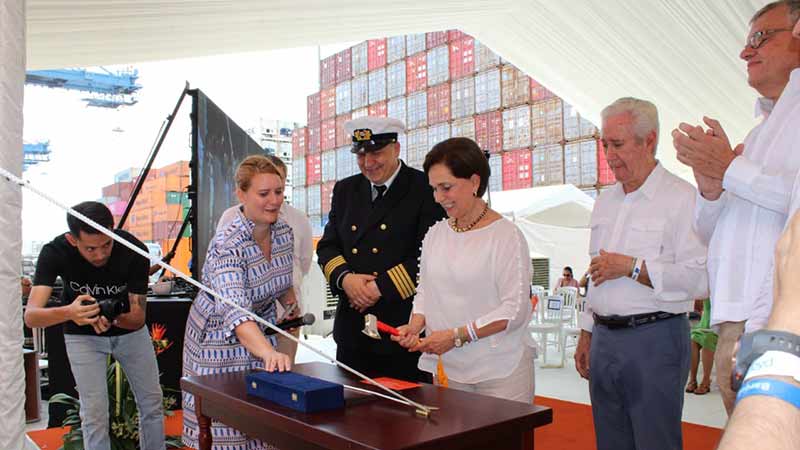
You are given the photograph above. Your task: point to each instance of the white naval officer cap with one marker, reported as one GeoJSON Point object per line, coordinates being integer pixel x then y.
{"type": "Point", "coordinates": [373, 133]}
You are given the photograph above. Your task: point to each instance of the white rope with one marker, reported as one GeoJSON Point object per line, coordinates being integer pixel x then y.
{"type": "Point", "coordinates": [27, 185]}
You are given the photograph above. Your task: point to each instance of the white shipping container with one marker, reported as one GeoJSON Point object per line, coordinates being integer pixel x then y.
{"type": "Point", "coordinates": [417, 147]}
{"type": "Point", "coordinates": [438, 65]}
{"type": "Point", "coordinates": [417, 110]}
{"type": "Point", "coordinates": [547, 162]}
{"type": "Point", "coordinates": [517, 127]}
{"type": "Point", "coordinates": [485, 58]}
{"type": "Point", "coordinates": [359, 91]}
{"type": "Point", "coordinates": [588, 162]}
{"type": "Point", "coordinates": [344, 162]}
{"type": "Point", "coordinates": [462, 98]}
{"type": "Point", "coordinates": [496, 172]}
{"type": "Point", "coordinates": [328, 166]}
{"type": "Point", "coordinates": [299, 172]}
{"type": "Point", "coordinates": [437, 133]}
{"type": "Point", "coordinates": [316, 224]}
{"type": "Point", "coordinates": [463, 128]}
{"type": "Point", "coordinates": [359, 59]}
{"type": "Point", "coordinates": [487, 91]}
{"type": "Point", "coordinates": [313, 203]}
{"type": "Point", "coordinates": [395, 48]}
{"type": "Point", "coordinates": [396, 79]}
{"type": "Point", "coordinates": [299, 198]}
{"type": "Point", "coordinates": [343, 98]}
{"type": "Point", "coordinates": [377, 85]}
{"type": "Point", "coordinates": [415, 43]}
{"type": "Point", "coordinates": [396, 108]}
{"type": "Point", "coordinates": [402, 140]}
{"type": "Point", "coordinates": [572, 123]}
{"type": "Point", "coordinates": [363, 112]}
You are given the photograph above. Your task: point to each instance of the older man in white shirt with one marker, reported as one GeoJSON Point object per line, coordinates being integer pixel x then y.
{"type": "Point", "coordinates": [744, 196]}
{"type": "Point", "coordinates": [302, 255]}
{"type": "Point", "coordinates": [648, 265]}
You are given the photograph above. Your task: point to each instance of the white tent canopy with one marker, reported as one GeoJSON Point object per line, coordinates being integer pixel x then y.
{"type": "Point", "coordinates": [563, 205]}
{"type": "Point", "coordinates": [555, 222]}
{"type": "Point", "coordinates": [681, 54]}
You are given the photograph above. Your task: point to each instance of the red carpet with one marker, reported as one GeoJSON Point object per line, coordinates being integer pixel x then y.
{"type": "Point", "coordinates": [572, 429]}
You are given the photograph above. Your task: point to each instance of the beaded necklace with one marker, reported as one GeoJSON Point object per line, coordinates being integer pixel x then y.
{"type": "Point", "coordinates": [457, 229]}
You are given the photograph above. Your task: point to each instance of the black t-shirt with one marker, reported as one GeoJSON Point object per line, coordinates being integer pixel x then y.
{"type": "Point", "coordinates": [124, 272]}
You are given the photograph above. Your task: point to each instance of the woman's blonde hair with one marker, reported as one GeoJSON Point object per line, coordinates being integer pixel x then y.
{"type": "Point", "coordinates": [252, 166]}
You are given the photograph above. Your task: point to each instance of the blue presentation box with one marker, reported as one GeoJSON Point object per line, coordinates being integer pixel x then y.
{"type": "Point", "coordinates": [296, 391]}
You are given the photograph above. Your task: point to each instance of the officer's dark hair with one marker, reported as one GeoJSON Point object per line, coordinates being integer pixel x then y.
{"type": "Point", "coordinates": [93, 210]}
{"type": "Point", "coordinates": [463, 157]}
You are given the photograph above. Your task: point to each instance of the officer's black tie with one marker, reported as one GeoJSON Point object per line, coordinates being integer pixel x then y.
{"type": "Point", "coordinates": [381, 189]}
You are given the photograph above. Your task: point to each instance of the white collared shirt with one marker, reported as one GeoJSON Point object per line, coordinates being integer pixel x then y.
{"type": "Point", "coordinates": [388, 182]}
{"type": "Point", "coordinates": [743, 225]}
{"type": "Point", "coordinates": [653, 222]}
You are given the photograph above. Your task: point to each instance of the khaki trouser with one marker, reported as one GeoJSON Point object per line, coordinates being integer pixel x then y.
{"type": "Point", "coordinates": [729, 334]}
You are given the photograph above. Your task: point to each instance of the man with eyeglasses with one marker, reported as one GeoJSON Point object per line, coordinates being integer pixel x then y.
{"type": "Point", "coordinates": [744, 193]}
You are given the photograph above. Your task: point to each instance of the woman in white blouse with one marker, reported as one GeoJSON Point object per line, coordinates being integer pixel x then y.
{"type": "Point", "coordinates": [473, 297]}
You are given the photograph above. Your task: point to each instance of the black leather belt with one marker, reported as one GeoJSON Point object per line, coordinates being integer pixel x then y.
{"type": "Point", "coordinates": [633, 321]}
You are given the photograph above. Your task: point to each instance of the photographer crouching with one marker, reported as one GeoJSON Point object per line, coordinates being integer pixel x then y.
{"type": "Point", "coordinates": [105, 287]}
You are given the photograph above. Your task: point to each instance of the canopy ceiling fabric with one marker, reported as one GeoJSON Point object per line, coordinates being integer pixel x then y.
{"type": "Point", "coordinates": [562, 205]}
{"type": "Point", "coordinates": [680, 54]}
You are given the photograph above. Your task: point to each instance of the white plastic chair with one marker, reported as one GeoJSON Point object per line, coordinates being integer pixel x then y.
{"type": "Point", "coordinates": [570, 295]}
{"type": "Point", "coordinates": [551, 324]}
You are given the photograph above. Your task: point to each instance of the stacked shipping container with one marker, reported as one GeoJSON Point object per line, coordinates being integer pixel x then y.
{"type": "Point", "coordinates": [443, 84]}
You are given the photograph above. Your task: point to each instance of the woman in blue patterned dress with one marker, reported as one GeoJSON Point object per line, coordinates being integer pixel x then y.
{"type": "Point", "coordinates": [249, 262]}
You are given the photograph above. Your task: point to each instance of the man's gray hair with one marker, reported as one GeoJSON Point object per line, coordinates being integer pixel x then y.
{"type": "Point", "coordinates": [643, 112]}
{"type": "Point", "coordinates": [793, 5]}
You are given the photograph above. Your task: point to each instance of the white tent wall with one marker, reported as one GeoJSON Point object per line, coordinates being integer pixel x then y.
{"type": "Point", "coordinates": [12, 80]}
{"type": "Point", "coordinates": [563, 246]}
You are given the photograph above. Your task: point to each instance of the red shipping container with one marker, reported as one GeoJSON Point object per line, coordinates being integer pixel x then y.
{"type": "Point", "coordinates": [435, 39]}
{"type": "Point", "coordinates": [328, 104]}
{"type": "Point", "coordinates": [376, 53]}
{"type": "Point", "coordinates": [517, 169]}
{"type": "Point", "coordinates": [604, 174]}
{"type": "Point", "coordinates": [439, 104]}
{"type": "Point", "coordinates": [344, 69]}
{"type": "Point", "coordinates": [299, 142]}
{"type": "Point", "coordinates": [313, 169]}
{"type": "Point", "coordinates": [327, 71]}
{"type": "Point", "coordinates": [489, 131]}
{"type": "Point", "coordinates": [539, 92]}
{"type": "Point", "coordinates": [342, 138]}
{"type": "Point", "coordinates": [313, 139]}
{"type": "Point", "coordinates": [313, 104]}
{"type": "Point", "coordinates": [462, 58]}
{"type": "Point", "coordinates": [416, 72]}
{"type": "Point", "coordinates": [325, 194]}
{"type": "Point", "coordinates": [378, 109]}
{"type": "Point", "coordinates": [328, 134]}
{"type": "Point", "coordinates": [454, 35]}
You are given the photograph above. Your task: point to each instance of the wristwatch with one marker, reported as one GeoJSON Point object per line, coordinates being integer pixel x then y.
{"type": "Point", "coordinates": [457, 339]}
{"type": "Point", "coordinates": [751, 346]}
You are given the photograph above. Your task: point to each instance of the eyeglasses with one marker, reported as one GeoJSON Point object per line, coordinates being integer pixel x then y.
{"type": "Point", "coordinates": [759, 37]}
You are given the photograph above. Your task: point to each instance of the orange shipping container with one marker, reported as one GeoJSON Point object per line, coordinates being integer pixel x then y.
{"type": "Point", "coordinates": [179, 169]}
{"type": "Point", "coordinates": [182, 254]}
{"type": "Point", "coordinates": [168, 212]}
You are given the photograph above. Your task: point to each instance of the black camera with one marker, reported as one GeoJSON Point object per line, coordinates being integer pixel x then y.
{"type": "Point", "coordinates": [110, 308]}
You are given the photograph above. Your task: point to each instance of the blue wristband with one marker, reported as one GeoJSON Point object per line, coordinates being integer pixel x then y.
{"type": "Point", "coordinates": [773, 388]}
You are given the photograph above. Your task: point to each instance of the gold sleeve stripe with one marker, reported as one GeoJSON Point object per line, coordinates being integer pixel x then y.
{"type": "Point", "coordinates": [403, 282]}
{"type": "Point", "coordinates": [401, 287]}
{"type": "Point", "coordinates": [332, 265]}
{"type": "Point", "coordinates": [412, 288]}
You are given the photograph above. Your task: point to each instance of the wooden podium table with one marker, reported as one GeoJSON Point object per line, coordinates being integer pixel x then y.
{"type": "Point", "coordinates": [464, 421]}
